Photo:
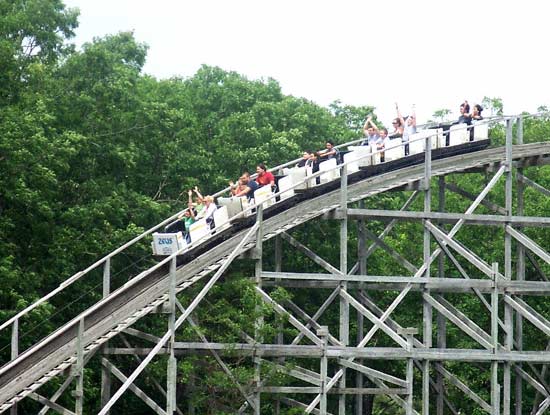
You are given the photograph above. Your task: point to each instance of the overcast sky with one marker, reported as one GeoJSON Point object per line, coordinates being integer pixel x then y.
{"type": "Point", "coordinates": [431, 53]}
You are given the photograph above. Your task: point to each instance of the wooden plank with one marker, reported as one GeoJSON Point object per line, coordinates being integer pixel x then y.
{"type": "Point", "coordinates": [529, 244]}
{"type": "Point", "coordinates": [335, 352]}
{"type": "Point", "coordinates": [529, 313]}
{"type": "Point", "coordinates": [294, 403]}
{"type": "Point", "coordinates": [461, 321]}
{"type": "Point", "coordinates": [534, 185]}
{"type": "Point", "coordinates": [375, 320]}
{"type": "Point", "coordinates": [441, 217]}
{"type": "Point", "coordinates": [50, 404]}
{"type": "Point", "coordinates": [391, 251]}
{"type": "Point", "coordinates": [465, 389]}
{"type": "Point", "coordinates": [312, 322]}
{"type": "Point", "coordinates": [334, 391]}
{"type": "Point", "coordinates": [309, 253]}
{"type": "Point", "coordinates": [137, 391]}
{"type": "Point", "coordinates": [291, 319]}
{"type": "Point", "coordinates": [373, 373]}
{"type": "Point", "coordinates": [488, 204]}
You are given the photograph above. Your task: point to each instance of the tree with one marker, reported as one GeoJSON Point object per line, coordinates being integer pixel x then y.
{"type": "Point", "coordinates": [441, 114]}
{"type": "Point", "coordinates": [32, 34]}
{"type": "Point", "coordinates": [494, 104]}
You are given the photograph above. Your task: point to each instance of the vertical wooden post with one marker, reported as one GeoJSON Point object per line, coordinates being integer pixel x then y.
{"type": "Point", "coordinates": [427, 309]}
{"type": "Point", "coordinates": [105, 372]}
{"type": "Point", "coordinates": [441, 321]}
{"type": "Point", "coordinates": [508, 317]}
{"type": "Point", "coordinates": [322, 332]}
{"type": "Point", "coordinates": [362, 260]}
{"type": "Point", "coordinates": [280, 338]}
{"type": "Point", "coordinates": [495, 387]}
{"type": "Point", "coordinates": [520, 275]}
{"type": "Point", "coordinates": [78, 370]}
{"type": "Point", "coordinates": [259, 320]}
{"type": "Point", "coordinates": [171, 378]}
{"type": "Point", "coordinates": [409, 334]}
{"type": "Point", "coordinates": [344, 304]}
{"type": "Point", "coordinates": [14, 353]}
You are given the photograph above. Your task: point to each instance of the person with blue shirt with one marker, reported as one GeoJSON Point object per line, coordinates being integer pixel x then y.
{"type": "Point", "coordinates": [247, 187]}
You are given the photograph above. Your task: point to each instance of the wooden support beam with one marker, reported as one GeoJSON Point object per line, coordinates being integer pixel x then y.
{"type": "Point", "coordinates": [466, 253]}
{"type": "Point", "coordinates": [372, 373]}
{"type": "Point", "coordinates": [534, 185]}
{"type": "Point", "coordinates": [137, 391]}
{"type": "Point", "coordinates": [488, 204]}
{"type": "Point", "coordinates": [50, 404]}
{"type": "Point", "coordinates": [312, 321]}
{"type": "Point", "coordinates": [465, 389]}
{"type": "Point", "coordinates": [461, 321]}
{"type": "Point", "coordinates": [291, 319]}
{"type": "Point", "coordinates": [529, 244]}
{"type": "Point", "coordinates": [295, 404]}
{"type": "Point", "coordinates": [309, 253]}
{"type": "Point", "coordinates": [300, 373]}
{"type": "Point", "coordinates": [448, 218]}
{"type": "Point", "coordinates": [333, 391]}
{"type": "Point", "coordinates": [375, 320]}
{"type": "Point", "coordinates": [334, 352]}
{"type": "Point", "coordinates": [529, 313]}
{"type": "Point", "coordinates": [391, 251]}
{"type": "Point", "coordinates": [539, 387]}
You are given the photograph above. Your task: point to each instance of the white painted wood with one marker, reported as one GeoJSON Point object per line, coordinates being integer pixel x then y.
{"type": "Point", "coordinates": [167, 243]}
{"type": "Point", "coordinates": [362, 155]}
{"type": "Point", "coordinates": [233, 205]}
{"type": "Point", "coordinates": [263, 195]}
{"type": "Point", "coordinates": [198, 230]}
{"type": "Point", "coordinates": [298, 175]}
{"type": "Point", "coordinates": [284, 185]}
{"type": "Point", "coordinates": [459, 134]}
{"type": "Point", "coordinates": [416, 144]}
{"type": "Point", "coordinates": [351, 160]}
{"type": "Point", "coordinates": [328, 166]}
{"type": "Point", "coordinates": [481, 130]}
{"type": "Point", "coordinates": [221, 218]}
{"type": "Point", "coordinates": [394, 150]}
{"type": "Point", "coordinates": [312, 182]}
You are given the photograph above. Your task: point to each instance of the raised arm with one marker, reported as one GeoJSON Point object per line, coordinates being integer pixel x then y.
{"type": "Point", "coordinates": [198, 193]}
{"type": "Point", "coordinates": [399, 116]}
{"type": "Point", "coordinates": [370, 123]}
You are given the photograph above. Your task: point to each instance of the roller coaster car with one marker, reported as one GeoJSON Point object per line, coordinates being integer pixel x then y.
{"type": "Point", "coordinates": [300, 195]}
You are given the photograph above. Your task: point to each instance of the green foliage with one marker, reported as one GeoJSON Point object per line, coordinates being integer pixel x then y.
{"type": "Point", "coordinates": [441, 114]}
{"type": "Point", "coordinates": [93, 152]}
{"type": "Point", "coordinates": [495, 105]}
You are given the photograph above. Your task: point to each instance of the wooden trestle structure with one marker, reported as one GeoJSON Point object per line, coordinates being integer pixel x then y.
{"type": "Point", "coordinates": [338, 384]}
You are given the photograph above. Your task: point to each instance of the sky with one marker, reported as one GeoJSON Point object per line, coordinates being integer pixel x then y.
{"type": "Point", "coordinates": [432, 54]}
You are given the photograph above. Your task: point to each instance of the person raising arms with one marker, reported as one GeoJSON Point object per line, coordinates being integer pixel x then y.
{"type": "Point", "coordinates": [408, 126]}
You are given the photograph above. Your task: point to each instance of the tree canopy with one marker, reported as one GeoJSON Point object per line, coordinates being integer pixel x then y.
{"type": "Point", "coordinates": [93, 151]}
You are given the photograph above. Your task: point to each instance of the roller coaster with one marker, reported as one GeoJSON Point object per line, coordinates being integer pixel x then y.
{"type": "Point", "coordinates": [332, 193]}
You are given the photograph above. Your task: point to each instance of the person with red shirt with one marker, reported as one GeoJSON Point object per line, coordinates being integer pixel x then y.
{"type": "Point", "coordinates": [264, 177]}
